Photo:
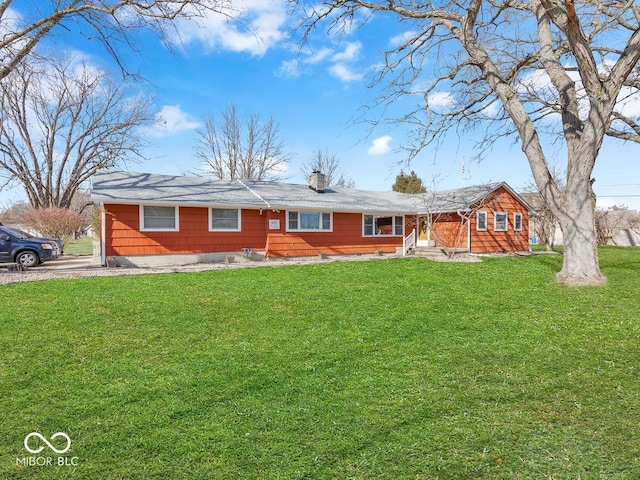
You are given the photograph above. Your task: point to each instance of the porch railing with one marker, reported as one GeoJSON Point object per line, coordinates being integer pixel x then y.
{"type": "Point", "coordinates": [408, 242]}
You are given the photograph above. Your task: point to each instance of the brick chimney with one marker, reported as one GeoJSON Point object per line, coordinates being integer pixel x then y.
{"type": "Point", "coordinates": [316, 181]}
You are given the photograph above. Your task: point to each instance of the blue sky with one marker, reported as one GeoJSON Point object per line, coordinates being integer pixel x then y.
{"type": "Point", "coordinates": [313, 93]}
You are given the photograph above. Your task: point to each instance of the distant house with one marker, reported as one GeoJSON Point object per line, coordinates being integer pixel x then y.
{"type": "Point", "coordinates": [618, 226]}
{"type": "Point", "coordinates": [175, 219]}
{"type": "Point", "coordinates": [614, 226]}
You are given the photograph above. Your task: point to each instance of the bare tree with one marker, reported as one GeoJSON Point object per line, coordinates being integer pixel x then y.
{"type": "Point", "coordinates": [611, 221]}
{"type": "Point", "coordinates": [430, 217]}
{"type": "Point", "coordinates": [83, 205]}
{"type": "Point", "coordinates": [107, 21]}
{"type": "Point", "coordinates": [544, 223]}
{"type": "Point", "coordinates": [237, 147]}
{"type": "Point", "coordinates": [61, 123]}
{"type": "Point", "coordinates": [543, 70]}
{"type": "Point", "coordinates": [329, 165]}
{"type": "Point", "coordinates": [13, 214]}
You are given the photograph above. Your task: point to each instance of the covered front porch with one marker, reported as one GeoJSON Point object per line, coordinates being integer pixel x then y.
{"type": "Point", "coordinates": [448, 233]}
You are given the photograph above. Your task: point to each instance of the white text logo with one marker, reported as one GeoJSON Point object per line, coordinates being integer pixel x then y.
{"type": "Point", "coordinates": [47, 442]}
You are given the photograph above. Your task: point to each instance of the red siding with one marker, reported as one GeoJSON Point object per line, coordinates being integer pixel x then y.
{"type": "Point", "coordinates": [124, 238]}
{"type": "Point", "coordinates": [490, 240]}
{"type": "Point", "coordinates": [346, 238]}
{"type": "Point", "coordinates": [450, 230]}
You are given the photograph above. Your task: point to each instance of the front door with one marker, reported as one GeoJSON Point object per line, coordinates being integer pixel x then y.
{"type": "Point", "coordinates": [424, 235]}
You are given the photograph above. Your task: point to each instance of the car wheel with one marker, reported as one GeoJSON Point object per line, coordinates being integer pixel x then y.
{"type": "Point", "coordinates": [28, 258]}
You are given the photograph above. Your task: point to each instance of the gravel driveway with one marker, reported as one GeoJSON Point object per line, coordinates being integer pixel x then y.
{"type": "Point", "coordinates": [78, 266]}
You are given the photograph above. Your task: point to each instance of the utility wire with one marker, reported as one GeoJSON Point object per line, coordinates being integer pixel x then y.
{"type": "Point", "coordinates": [617, 196]}
{"type": "Point", "coordinates": [621, 185]}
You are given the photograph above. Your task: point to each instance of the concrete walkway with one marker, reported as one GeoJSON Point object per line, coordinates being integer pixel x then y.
{"type": "Point", "coordinates": [72, 262]}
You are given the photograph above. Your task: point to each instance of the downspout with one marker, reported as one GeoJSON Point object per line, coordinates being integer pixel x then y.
{"type": "Point", "coordinates": [254, 192]}
{"type": "Point", "coordinates": [469, 235]}
{"type": "Point", "coordinates": [103, 235]}
{"type": "Point", "coordinates": [266, 217]}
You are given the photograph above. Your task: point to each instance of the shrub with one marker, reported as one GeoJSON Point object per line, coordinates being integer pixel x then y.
{"type": "Point", "coordinates": [54, 222]}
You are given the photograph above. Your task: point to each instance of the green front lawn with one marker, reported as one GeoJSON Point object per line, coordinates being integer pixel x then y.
{"type": "Point", "coordinates": [79, 246]}
{"type": "Point", "coordinates": [395, 369]}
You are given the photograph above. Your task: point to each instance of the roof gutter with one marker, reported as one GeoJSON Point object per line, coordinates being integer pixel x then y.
{"type": "Point", "coordinates": [252, 191]}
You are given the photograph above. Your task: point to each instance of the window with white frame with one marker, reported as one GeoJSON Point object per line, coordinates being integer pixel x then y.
{"type": "Point", "coordinates": [224, 219]}
{"type": "Point", "coordinates": [481, 221]}
{"type": "Point", "coordinates": [158, 218]}
{"type": "Point", "coordinates": [382, 225]}
{"type": "Point", "coordinates": [500, 221]}
{"type": "Point", "coordinates": [309, 221]}
{"type": "Point", "coordinates": [517, 222]}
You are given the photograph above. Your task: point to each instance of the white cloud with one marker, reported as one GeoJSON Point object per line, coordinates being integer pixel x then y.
{"type": "Point", "coordinates": [536, 80]}
{"type": "Point", "coordinates": [403, 38]}
{"type": "Point", "coordinates": [492, 110]}
{"type": "Point", "coordinates": [441, 99]}
{"type": "Point", "coordinates": [319, 56]}
{"type": "Point", "coordinates": [171, 120]}
{"type": "Point", "coordinates": [289, 69]}
{"type": "Point", "coordinates": [340, 64]}
{"type": "Point", "coordinates": [252, 26]}
{"type": "Point", "coordinates": [344, 73]}
{"type": "Point", "coordinates": [11, 20]}
{"type": "Point", "coordinates": [349, 54]}
{"type": "Point", "coordinates": [629, 102]}
{"type": "Point", "coordinates": [343, 61]}
{"type": "Point", "coordinates": [380, 146]}
{"type": "Point", "coordinates": [298, 66]}
{"type": "Point", "coordinates": [79, 67]}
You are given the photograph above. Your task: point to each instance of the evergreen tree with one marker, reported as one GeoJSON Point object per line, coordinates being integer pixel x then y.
{"type": "Point", "coordinates": [408, 183]}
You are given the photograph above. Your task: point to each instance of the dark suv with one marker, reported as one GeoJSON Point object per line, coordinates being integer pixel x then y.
{"type": "Point", "coordinates": [20, 247]}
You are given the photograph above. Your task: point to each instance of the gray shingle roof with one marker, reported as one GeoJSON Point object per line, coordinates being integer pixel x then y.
{"type": "Point", "coordinates": [130, 187]}
{"type": "Point", "coordinates": [137, 188]}
{"type": "Point", "coordinates": [459, 199]}
{"type": "Point", "coordinates": [286, 196]}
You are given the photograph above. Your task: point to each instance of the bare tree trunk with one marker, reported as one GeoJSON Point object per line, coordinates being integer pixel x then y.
{"type": "Point", "coordinates": [580, 265]}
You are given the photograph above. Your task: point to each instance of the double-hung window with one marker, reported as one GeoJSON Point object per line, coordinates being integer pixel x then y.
{"type": "Point", "coordinates": [224, 219]}
{"type": "Point", "coordinates": [481, 221]}
{"type": "Point", "coordinates": [309, 221]}
{"type": "Point", "coordinates": [517, 222]}
{"type": "Point", "coordinates": [500, 222]}
{"type": "Point", "coordinates": [159, 218]}
{"type": "Point", "coordinates": [382, 225]}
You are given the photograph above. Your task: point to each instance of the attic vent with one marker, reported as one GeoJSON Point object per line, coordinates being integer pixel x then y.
{"type": "Point", "coordinates": [316, 181]}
